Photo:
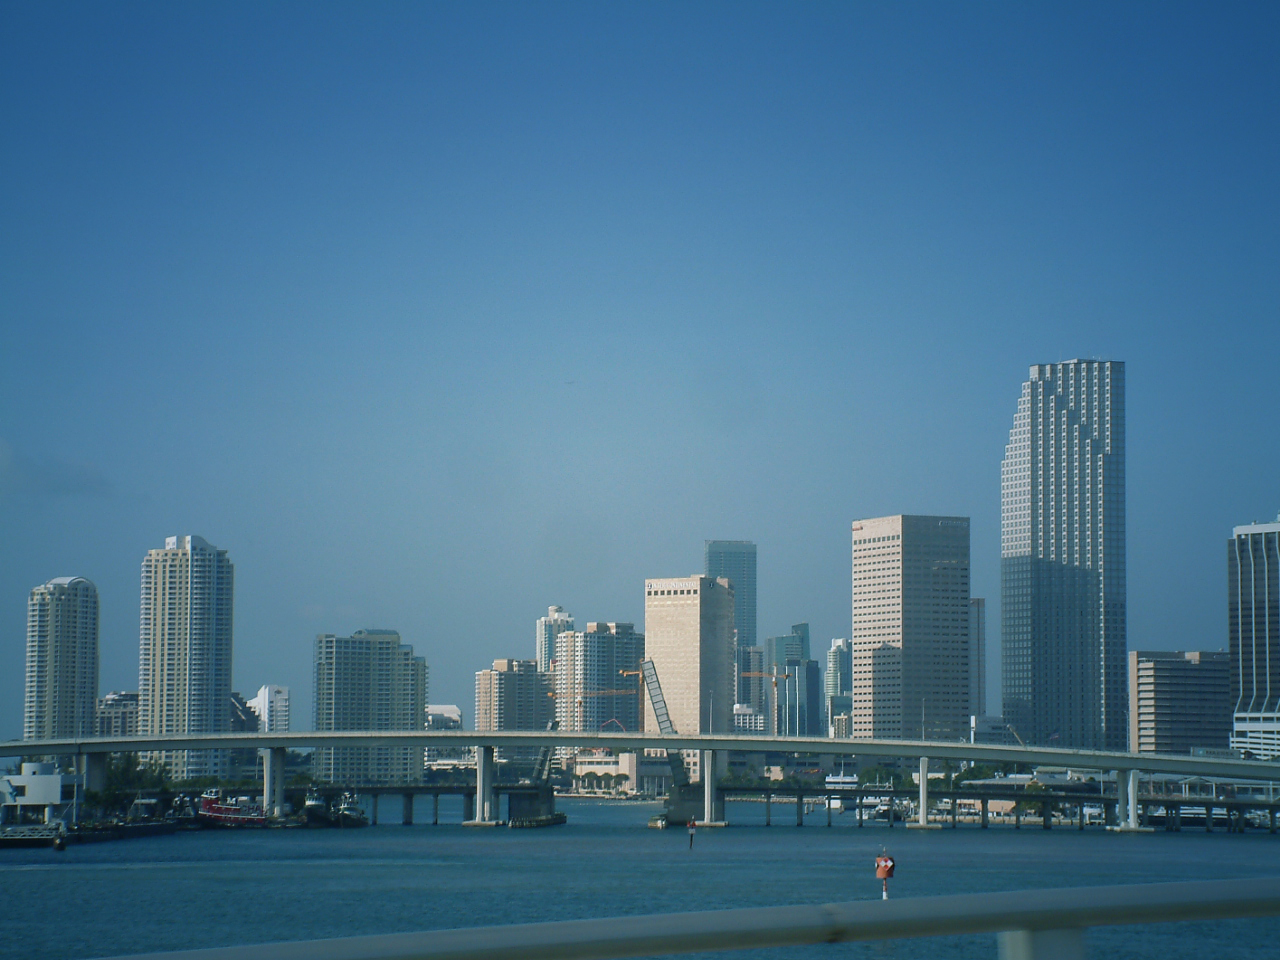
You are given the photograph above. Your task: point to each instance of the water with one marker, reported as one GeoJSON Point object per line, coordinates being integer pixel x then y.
{"type": "Point", "coordinates": [221, 888]}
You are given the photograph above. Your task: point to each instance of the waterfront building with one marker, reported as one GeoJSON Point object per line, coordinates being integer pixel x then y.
{"type": "Point", "coordinates": [911, 627]}
{"type": "Point", "coordinates": [1179, 701]}
{"type": "Point", "coordinates": [184, 651]}
{"type": "Point", "coordinates": [515, 695]}
{"type": "Point", "coordinates": [272, 708]}
{"type": "Point", "coordinates": [61, 696]}
{"type": "Point", "coordinates": [747, 720]}
{"type": "Point", "coordinates": [591, 691]}
{"type": "Point", "coordinates": [978, 656]}
{"type": "Point", "coordinates": [548, 628]}
{"type": "Point", "coordinates": [688, 626]}
{"type": "Point", "coordinates": [117, 715]}
{"type": "Point", "coordinates": [1253, 626]}
{"type": "Point", "coordinates": [838, 683]}
{"type": "Point", "coordinates": [1062, 550]}
{"type": "Point", "coordinates": [370, 680]}
{"type": "Point", "coordinates": [39, 790]}
{"type": "Point", "coordinates": [735, 560]}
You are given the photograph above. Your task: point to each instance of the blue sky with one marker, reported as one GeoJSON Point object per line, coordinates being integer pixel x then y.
{"type": "Point", "coordinates": [434, 315]}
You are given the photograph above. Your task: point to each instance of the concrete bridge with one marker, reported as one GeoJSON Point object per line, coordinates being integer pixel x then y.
{"type": "Point", "coordinates": [1127, 767]}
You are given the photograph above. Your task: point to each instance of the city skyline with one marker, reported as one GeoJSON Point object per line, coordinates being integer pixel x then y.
{"type": "Point", "coordinates": [551, 297]}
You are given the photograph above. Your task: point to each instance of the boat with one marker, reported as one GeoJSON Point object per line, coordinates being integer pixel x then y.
{"type": "Point", "coordinates": [349, 812]}
{"type": "Point", "coordinates": [219, 811]}
{"type": "Point", "coordinates": [658, 821]}
{"type": "Point", "coordinates": [34, 835]}
{"type": "Point", "coordinates": [317, 812]}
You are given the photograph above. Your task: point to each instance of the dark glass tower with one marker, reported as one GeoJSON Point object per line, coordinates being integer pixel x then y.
{"type": "Point", "coordinates": [1062, 566]}
{"type": "Point", "coordinates": [735, 560]}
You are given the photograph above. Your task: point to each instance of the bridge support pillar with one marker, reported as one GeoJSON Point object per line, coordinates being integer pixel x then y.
{"type": "Point", "coordinates": [486, 809]}
{"type": "Point", "coordinates": [923, 818]}
{"type": "Point", "coordinates": [712, 799]}
{"type": "Point", "coordinates": [407, 800]}
{"type": "Point", "coordinates": [1122, 797]}
{"type": "Point", "coordinates": [799, 810]}
{"type": "Point", "coordinates": [858, 799]}
{"type": "Point", "coordinates": [435, 809]}
{"type": "Point", "coordinates": [1041, 945]}
{"type": "Point", "coordinates": [94, 768]}
{"type": "Point", "coordinates": [955, 804]}
{"type": "Point", "coordinates": [984, 813]}
{"type": "Point", "coordinates": [1132, 790]}
{"type": "Point", "coordinates": [827, 801]}
{"type": "Point", "coordinates": [273, 781]}
{"type": "Point", "coordinates": [1271, 820]}
{"type": "Point", "coordinates": [768, 810]}
{"type": "Point", "coordinates": [373, 809]}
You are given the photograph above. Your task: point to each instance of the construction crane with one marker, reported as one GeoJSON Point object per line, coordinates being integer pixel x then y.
{"type": "Point", "coordinates": [679, 775]}
{"type": "Point", "coordinates": [775, 676]}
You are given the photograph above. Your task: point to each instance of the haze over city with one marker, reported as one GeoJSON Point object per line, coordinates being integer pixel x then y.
{"type": "Point", "coordinates": [434, 316]}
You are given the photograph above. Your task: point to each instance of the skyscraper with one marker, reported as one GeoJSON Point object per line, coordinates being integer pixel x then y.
{"type": "Point", "coordinates": [272, 708]}
{"type": "Point", "coordinates": [735, 560]}
{"type": "Point", "coordinates": [911, 627]}
{"type": "Point", "coordinates": [588, 677]}
{"type": "Point", "coordinates": [1253, 625]}
{"type": "Point", "coordinates": [369, 681]}
{"type": "Point", "coordinates": [514, 695]}
{"type": "Point", "coordinates": [978, 656]}
{"type": "Point", "coordinates": [548, 628]}
{"type": "Point", "coordinates": [62, 660]}
{"type": "Point", "coordinates": [1062, 566]}
{"type": "Point", "coordinates": [838, 684]}
{"type": "Point", "coordinates": [688, 628]}
{"type": "Point", "coordinates": [184, 650]}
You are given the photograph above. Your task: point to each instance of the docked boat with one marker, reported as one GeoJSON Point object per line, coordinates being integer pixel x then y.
{"type": "Point", "coordinates": [349, 812]}
{"type": "Point", "coordinates": [317, 812]}
{"type": "Point", "coordinates": [219, 811]}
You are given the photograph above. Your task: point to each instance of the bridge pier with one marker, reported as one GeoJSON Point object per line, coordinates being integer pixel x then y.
{"type": "Point", "coordinates": [373, 809]}
{"type": "Point", "coordinates": [712, 799]}
{"type": "Point", "coordinates": [768, 809]}
{"type": "Point", "coordinates": [827, 801]}
{"type": "Point", "coordinates": [1271, 820]}
{"type": "Point", "coordinates": [1208, 818]}
{"type": "Point", "coordinates": [485, 808]}
{"type": "Point", "coordinates": [984, 813]}
{"type": "Point", "coordinates": [799, 810]}
{"type": "Point", "coordinates": [858, 799]}
{"type": "Point", "coordinates": [407, 818]}
{"type": "Point", "coordinates": [273, 781]}
{"type": "Point", "coordinates": [94, 768]}
{"type": "Point", "coordinates": [923, 818]}
{"type": "Point", "coordinates": [955, 804]}
{"type": "Point", "coordinates": [435, 809]}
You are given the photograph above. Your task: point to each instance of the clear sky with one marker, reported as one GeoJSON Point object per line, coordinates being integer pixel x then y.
{"type": "Point", "coordinates": [434, 315]}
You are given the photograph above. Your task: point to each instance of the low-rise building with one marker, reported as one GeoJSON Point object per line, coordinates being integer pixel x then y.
{"type": "Point", "coordinates": [1179, 701]}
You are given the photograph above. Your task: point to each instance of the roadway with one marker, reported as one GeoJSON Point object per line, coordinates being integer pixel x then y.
{"type": "Point", "coordinates": [747, 743]}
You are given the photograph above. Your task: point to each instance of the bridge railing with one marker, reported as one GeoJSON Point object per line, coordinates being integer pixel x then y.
{"type": "Point", "coordinates": [1031, 924]}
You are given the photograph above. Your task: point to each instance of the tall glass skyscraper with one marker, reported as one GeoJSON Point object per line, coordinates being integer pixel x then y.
{"type": "Point", "coordinates": [735, 560]}
{"type": "Point", "coordinates": [1253, 623]}
{"type": "Point", "coordinates": [1062, 558]}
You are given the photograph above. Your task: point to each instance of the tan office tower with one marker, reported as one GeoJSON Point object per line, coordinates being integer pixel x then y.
{"type": "Point", "coordinates": [911, 652]}
{"type": "Point", "coordinates": [62, 660]}
{"type": "Point", "coordinates": [184, 651]}
{"type": "Point", "coordinates": [688, 634]}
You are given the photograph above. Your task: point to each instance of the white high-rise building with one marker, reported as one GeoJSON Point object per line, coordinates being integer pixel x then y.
{"type": "Point", "coordinates": [62, 660]}
{"type": "Point", "coordinates": [688, 634]}
{"type": "Point", "coordinates": [184, 651]}
{"type": "Point", "coordinates": [1253, 628]}
{"type": "Point", "coordinates": [272, 708]}
{"type": "Point", "coordinates": [1062, 558]}
{"type": "Point", "coordinates": [549, 627]}
{"type": "Point", "coordinates": [911, 672]}
{"type": "Point", "coordinates": [592, 693]}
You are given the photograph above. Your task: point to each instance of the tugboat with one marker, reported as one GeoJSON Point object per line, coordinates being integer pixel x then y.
{"type": "Point", "coordinates": [317, 812]}
{"type": "Point", "coordinates": [218, 811]}
{"type": "Point", "coordinates": [349, 812]}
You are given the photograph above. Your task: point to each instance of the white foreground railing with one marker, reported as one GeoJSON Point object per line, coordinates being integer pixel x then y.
{"type": "Point", "coordinates": [1032, 924]}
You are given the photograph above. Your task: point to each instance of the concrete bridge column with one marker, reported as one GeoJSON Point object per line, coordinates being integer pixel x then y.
{"type": "Point", "coordinates": [923, 817]}
{"type": "Point", "coordinates": [768, 809]}
{"type": "Point", "coordinates": [984, 813]}
{"type": "Point", "coordinates": [708, 786]}
{"type": "Point", "coordinates": [858, 799]}
{"type": "Point", "coordinates": [435, 809]}
{"type": "Point", "coordinates": [1271, 820]}
{"type": "Point", "coordinates": [955, 804]}
{"type": "Point", "coordinates": [485, 808]}
{"type": "Point", "coordinates": [799, 810]}
{"type": "Point", "coordinates": [373, 809]}
{"type": "Point", "coordinates": [1131, 789]}
{"type": "Point", "coordinates": [827, 801]}
{"type": "Point", "coordinates": [94, 768]}
{"type": "Point", "coordinates": [407, 800]}
{"type": "Point", "coordinates": [273, 781]}
{"type": "Point", "coordinates": [1122, 797]}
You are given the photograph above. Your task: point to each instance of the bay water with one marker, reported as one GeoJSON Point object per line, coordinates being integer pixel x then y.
{"type": "Point", "coordinates": [224, 888]}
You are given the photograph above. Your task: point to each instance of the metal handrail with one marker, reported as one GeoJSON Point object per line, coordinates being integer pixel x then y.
{"type": "Point", "coordinates": [1036, 911]}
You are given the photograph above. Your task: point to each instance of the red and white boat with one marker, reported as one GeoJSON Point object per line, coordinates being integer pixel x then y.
{"type": "Point", "coordinates": [217, 810]}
